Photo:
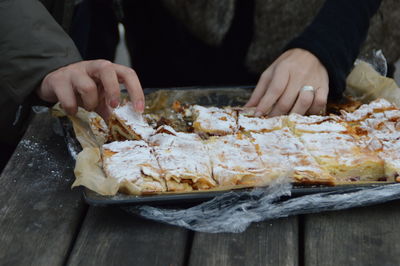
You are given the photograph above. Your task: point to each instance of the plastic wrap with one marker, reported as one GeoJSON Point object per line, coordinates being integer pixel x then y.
{"type": "Point", "coordinates": [234, 212]}
{"type": "Point", "coordinates": [377, 60]}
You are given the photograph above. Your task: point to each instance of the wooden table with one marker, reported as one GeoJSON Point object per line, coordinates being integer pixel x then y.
{"type": "Point", "coordinates": [44, 222]}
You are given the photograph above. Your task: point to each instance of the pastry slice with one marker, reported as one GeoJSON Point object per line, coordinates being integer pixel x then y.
{"type": "Point", "coordinates": [126, 124]}
{"type": "Point", "coordinates": [368, 110]}
{"type": "Point", "coordinates": [99, 127]}
{"type": "Point", "coordinates": [315, 124]}
{"type": "Point", "coordinates": [134, 166]}
{"type": "Point", "coordinates": [214, 120]}
{"type": "Point", "coordinates": [247, 122]}
{"type": "Point", "coordinates": [281, 152]}
{"type": "Point", "coordinates": [235, 162]}
{"type": "Point", "coordinates": [183, 159]}
{"type": "Point", "coordinates": [385, 141]}
{"type": "Point", "coordinates": [343, 157]}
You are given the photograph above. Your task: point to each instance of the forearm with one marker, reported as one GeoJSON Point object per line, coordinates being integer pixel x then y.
{"type": "Point", "coordinates": [32, 44]}
{"type": "Point", "coordinates": [335, 37]}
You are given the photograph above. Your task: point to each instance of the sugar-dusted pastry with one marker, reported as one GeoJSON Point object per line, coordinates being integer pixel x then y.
{"type": "Point", "coordinates": [134, 166]}
{"type": "Point", "coordinates": [126, 124]}
{"type": "Point", "coordinates": [281, 152]}
{"type": "Point", "coordinates": [183, 159]}
{"type": "Point", "coordinates": [368, 110]}
{"type": "Point", "coordinates": [235, 161]}
{"type": "Point", "coordinates": [385, 141]}
{"type": "Point", "coordinates": [315, 124]}
{"type": "Point", "coordinates": [247, 122]}
{"type": "Point", "coordinates": [343, 157]}
{"type": "Point", "coordinates": [99, 127]}
{"type": "Point", "coordinates": [214, 120]}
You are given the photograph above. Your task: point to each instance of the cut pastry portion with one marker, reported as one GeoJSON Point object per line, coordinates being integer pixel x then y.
{"type": "Point", "coordinates": [99, 127]}
{"type": "Point", "coordinates": [125, 124]}
{"type": "Point", "coordinates": [379, 121]}
{"type": "Point", "coordinates": [247, 122]}
{"type": "Point", "coordinates": [391, 157]}
{"type": "Point", "coordinates": [235, 161]}
{"type": "Point", "coordinates": [214, 120]}
{"type": "Point", "coordinates": [315, 124]}
{"type": "Point", "coordinates": [134, 166]}
{"type": "Point", "coordinates": [183, 159]}
{"type": "Point", "coordinates": [281, 152]}
{"type": "Point", "coordinates": [341, 155]}
{"type": "Point", "coordinates": [386, 142]}
{"type": "Point", "coordinates": [367, 110]}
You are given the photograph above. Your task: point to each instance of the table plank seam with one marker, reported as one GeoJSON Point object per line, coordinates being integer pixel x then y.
{"type": "Point", "coordinates": [76, 234]}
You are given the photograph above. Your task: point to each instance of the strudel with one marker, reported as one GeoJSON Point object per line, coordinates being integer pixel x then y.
{"type": "Point", "coordinates": [281, 152]}
{"type": "Point", "coordinates": [315, 124]}
{"type": "Point", "coordinates": [214, 120]}
{"type": "Point", "coordinates": [343, 157]}
{"type": "Point", "coordinates": [377, 126]}
{"type": "Point", "coordinates": [247, 122]}
{"type": "Point", "coordinates": [99, 127]}
{"type": "Point", "coordinates": [183, 159]}
{"type": "Point", "coordinates": [134, 166]}
{"type": "Point", "coordinates": [126, 124]}
{"type": "Point", "coordinates": [235, 161]}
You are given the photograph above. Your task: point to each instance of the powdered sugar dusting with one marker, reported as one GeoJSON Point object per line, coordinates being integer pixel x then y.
{"type": "Point", "coordinates": [182, 157]}
{"type": "Point", "coordinates": [132, 162]}
{"type": "Point", "coordinates": [367, 109]}
{"type": "Point", "coordinates": [134, 120]}
{"type": "Point", "coordinates": [257, 124]}
{"type": "Point", "coordinates": [214, 120]}
{"type": "Point", "coordinates": [234, 158]}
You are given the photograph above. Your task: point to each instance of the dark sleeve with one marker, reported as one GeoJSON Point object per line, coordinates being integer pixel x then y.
{"type": "Point", "coordinates": [32, 45]}
{"type": "Point", "coordinates": [335, 37]}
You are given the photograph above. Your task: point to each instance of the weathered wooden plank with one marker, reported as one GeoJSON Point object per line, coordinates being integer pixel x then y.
{"type": "Point", "coordinates": [111, 236]}
{"type": "Point", "coordinates": [39, 214]}
{"type": "Point", "coordinates": [362, 236]}
{"type": "Point", "coordinates": [268, 243]}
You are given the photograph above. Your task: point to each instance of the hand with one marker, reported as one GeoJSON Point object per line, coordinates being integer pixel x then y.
{"type": "Point", "coordinates": [278, 90]}
{"type": "Point", "coordinates": [94, 85]}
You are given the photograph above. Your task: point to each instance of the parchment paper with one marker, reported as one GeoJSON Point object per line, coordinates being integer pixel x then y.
{"type": "Point", "coordinates": [364, 84]}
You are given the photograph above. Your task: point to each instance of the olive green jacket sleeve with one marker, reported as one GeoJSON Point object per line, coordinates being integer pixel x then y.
{"type": "Point", "coordinates": [32, 44]}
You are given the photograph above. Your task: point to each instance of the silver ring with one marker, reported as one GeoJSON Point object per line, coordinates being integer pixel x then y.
{"type": "Point", "coordinates": [308, 88]}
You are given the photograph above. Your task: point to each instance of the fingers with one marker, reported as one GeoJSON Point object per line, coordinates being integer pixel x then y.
{"type": "Point", "coordinates": [261, 87]}
{"type": "Point", "coordinates": [288, 98]}
{"type": "Point", "coordinates": [87, 90]}
{"type": "Point", "coordinates": [66, 96]}
{"type": "Point", "coordinates": [130, 79]}
{"type": "Point", "coordinates": [303, 103]}
{"type": "Point", "coordinates": [104, 71]}
{"type": "Point", "coordinates": [274, 91]}
{"type": "Point", "coordinates": [319, 102]}
{"type": "Point", "coordinates": [111, 75]}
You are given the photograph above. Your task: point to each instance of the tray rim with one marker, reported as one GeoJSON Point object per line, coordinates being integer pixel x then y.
{"type": "Point", "coordinates": [95, 199]}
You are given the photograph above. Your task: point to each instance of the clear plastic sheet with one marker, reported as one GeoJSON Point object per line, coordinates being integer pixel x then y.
{"type": "Point", "coordinates": [234, 212]}
{"type": "Point", "coordinates": [377, 60]}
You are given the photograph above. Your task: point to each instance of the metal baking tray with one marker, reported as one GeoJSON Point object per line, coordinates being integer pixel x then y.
{"type": "Point", "coordinates": [215, 96]}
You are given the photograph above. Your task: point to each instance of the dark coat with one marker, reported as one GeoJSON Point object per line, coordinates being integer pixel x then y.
{"type": "Point", "coordinates": [32, 44]}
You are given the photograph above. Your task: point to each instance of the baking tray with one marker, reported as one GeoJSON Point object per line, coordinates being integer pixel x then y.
{"type": "Point", "coordinates": [212, 96]}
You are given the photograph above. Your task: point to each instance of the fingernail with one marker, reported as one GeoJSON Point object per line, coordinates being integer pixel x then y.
{"type": "Point", "coordinates": [257, 113]}
{"type": "Point", "coordinates": [114, 102]}
{"type": "Point", "coordinates": [139, 106]}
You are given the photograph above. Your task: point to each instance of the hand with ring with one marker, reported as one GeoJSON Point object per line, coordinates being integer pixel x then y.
{"type": "Point", "coordinates": [296, 82]}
